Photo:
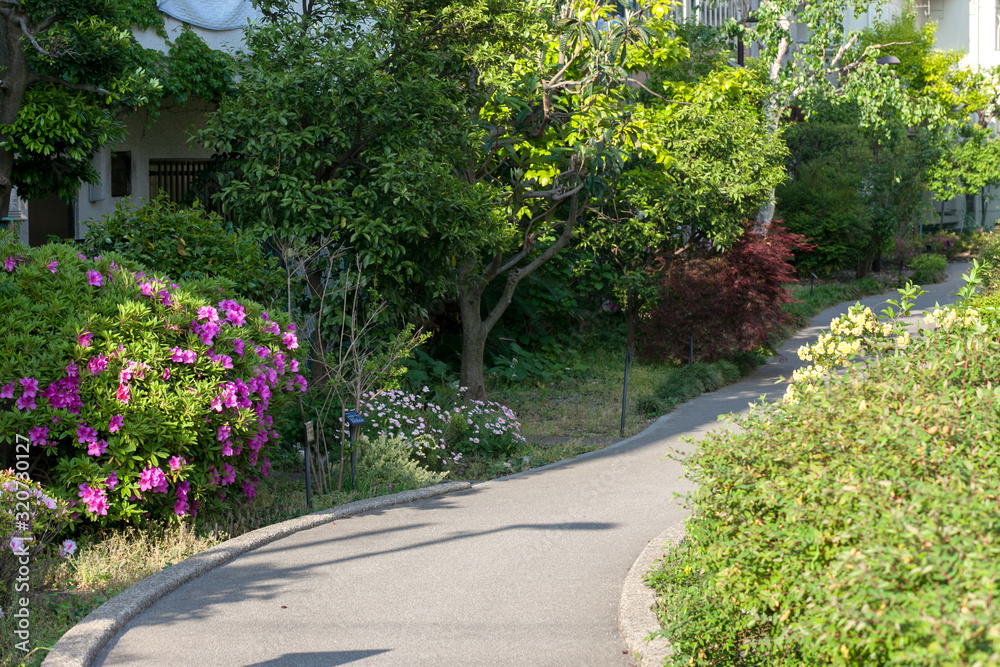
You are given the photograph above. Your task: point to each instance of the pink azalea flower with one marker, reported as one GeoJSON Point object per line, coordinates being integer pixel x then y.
{"type": "Point", "coordinates": [53, 266]}
{"type": "Point", "coordinates": [124, 394]}
{"type": "Point", "coordinates": [153, 479]}
{"type": "Point", "coordinates": [146, 289]}
{"type": "Point", "coordinates": [25, 403]}
{"type": "Point", "coordinates": [39, 435]}
{"type": "Point", "coordinates": [250, 490]}
{"type": "Point", "coordinates": [112, 480]}
{"type": "Point", "coordinates": [10, 264]}
{"type": "Point", "coordinates": [116, 423]}
{"type": "Point", "coordinates": [97, 448]}
{"type": "Point", "coordinates": [81, 255]}
{"type": "Point", "coordinates": [176, 463]}
{"type": "Point", "coordinates": [262, 351]}
{"type": "Point", "coordinates": [208, 332]}
{"type": "Point", "coordinates": [165, 297]}
{"type": "Point", "coordinates": [208, 313]}
{"type": "Point", "coordinates": [272, 328]}
{"type": "Point", "coordinates": [290, 340]}
{"type": "Point", "coordinates": [97, 364]}
{"type": "Point", "coordinates": [7, 391]}
{"type": "Point", "coordinates": [95, 499]}
{"type": "Point", "coordinates": [228, 474]}
{"type": "Point", "coordinates": [223, 433]}
{"type": "Point", "coordinates": [95, 278]}
{"type": "Point", "coordinates": [85, 434]}
{"type": "Point", "coordinates": [72, 371]}
{"type": "Point", "coordinates": [17, 544]}
{"type": "Point", "coordinates": [176, 355]}
{"type": "Point", "coordinates": [83, 339]}
{"type": "Point", "coordinates": [166, 373]}
{"type": "Point", "coordinates": [227, 448]}
{"type": "Point", "coordinates": [67, 549]}
{"type": "Point", "coordinates": [30, 386]}
{"type": "Point", "coordinates": [301, 382]}
{"type": "Point", "coordinates": [238, 346]}
{"type": "Point", "coordinates": [223, 360]}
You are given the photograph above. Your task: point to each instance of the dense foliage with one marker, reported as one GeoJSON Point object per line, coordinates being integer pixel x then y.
{"type": "Point", "coordinates": [827, 531]}
{"type": "Point", "coordinates": [186, 242]}
{"type": "Point", "coordinates": [729, 302]}
{"type": "Point", "coordinates": [139, 396]}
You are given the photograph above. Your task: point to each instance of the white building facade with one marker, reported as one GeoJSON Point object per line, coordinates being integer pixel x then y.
{"type": "Point", "coordinates": [155, 156]}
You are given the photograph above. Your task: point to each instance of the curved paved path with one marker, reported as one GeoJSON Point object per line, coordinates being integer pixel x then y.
{"type": "Point", "coordinates": [527, 570]}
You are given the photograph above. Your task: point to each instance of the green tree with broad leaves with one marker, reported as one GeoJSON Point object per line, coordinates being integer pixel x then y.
{"type": "Point", "coordinates": [69, 69]}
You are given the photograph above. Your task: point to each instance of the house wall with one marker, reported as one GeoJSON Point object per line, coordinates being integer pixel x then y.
{"type": "Point", "coordinates": [166, 137]}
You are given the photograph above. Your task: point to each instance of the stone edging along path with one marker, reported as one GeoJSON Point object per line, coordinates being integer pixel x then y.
{"type": "Point", "coordinates": [84, 641]}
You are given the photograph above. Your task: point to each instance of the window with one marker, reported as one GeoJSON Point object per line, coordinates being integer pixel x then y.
{"type": "Point", "coordinates": [175, 178]}
{"type": "Point", "coordinates": [121, 174]}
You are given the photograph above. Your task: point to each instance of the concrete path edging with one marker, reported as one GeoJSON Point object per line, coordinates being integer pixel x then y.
{"type": "Point", "coordinates": [636, 618]}
{"type": "Point", "coordinates": [84, 641]}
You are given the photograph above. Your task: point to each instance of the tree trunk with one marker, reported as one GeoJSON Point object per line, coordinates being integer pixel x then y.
{"type": "Point", "coordinates": [473, 343]}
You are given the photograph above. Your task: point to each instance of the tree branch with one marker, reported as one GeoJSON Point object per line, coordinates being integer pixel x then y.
{"type": "Point", "coordinates": [31, 38]}
{"type": "Point", "coordinates": [47, 23]}
{"type": "Point", "coordinates": [45, 78]}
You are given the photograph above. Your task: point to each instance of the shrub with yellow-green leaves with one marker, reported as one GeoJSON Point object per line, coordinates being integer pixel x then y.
{"type": "Point", "coordinates": [858, 524]}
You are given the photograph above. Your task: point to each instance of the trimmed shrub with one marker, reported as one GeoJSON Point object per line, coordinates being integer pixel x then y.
{"type": "Point", "coordinates": [928, 269]}
{"type": "Point", "coordinates": [857, 524]}
{"type": "Point", "coordinates": [140, 397]}
{"type": "Point", "coordinates": [730, 302]}
{"type": "Point", "coordinates": [186, 243]}
{"type": "Point", "coordinates": [386, 463]}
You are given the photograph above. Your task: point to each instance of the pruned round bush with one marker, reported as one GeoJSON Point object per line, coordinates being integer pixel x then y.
{"type": "Point", "coordinates": [386, 463]}
{"type": "Point", "coordinates": [928, 269]}
{"type": "Point", "coordinates": [186, 242]}
{"type": "Point", "coordinates": [857, 524]}
{"type": "Point", "coordinates": [140, 397]}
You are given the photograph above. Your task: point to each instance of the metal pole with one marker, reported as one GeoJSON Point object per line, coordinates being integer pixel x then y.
{"type": "Point", "coordinates": [691, 360]}
{"type": "Point", "coordinates": [628, 359]}
{"type": "Point", "coordinates": [354, 463]}
{"type": "Point", "coordinates": [812, 280]}
{"type": "Point", "coordinates": [309, 503]}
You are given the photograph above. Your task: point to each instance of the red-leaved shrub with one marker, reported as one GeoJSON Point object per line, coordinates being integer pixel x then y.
{"type": "Point", "coordinates": [730, 301]}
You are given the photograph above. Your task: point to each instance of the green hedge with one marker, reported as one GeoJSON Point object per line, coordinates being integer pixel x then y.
{"type": "Point", "coordinates": [187, 243]}
{"type": "Point", "coordinates": [858, 526]}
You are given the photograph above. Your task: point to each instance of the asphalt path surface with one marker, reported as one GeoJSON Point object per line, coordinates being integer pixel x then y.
{"type": "Point", "coordinates": [525, 570]}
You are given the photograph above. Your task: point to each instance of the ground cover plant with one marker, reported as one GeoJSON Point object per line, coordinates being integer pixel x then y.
{"type": "Point", "coordinates": [854, 523]}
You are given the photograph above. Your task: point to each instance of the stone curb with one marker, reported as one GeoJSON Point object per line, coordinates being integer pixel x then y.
{"type": "Point", "coordinates": [636, 618]}
{"type": "Point", "coordinates": [84, 641]}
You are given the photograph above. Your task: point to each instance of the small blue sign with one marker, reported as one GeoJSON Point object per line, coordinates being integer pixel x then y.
{"type": "Point", "coordinates": [353, 418]}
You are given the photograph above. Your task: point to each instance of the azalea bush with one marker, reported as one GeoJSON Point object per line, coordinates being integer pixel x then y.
{"type": "Point", "coordinates": [30, 519]}
{"type": "Point", "coordinates": [440, 435]}
{"type": "Point", "coordinates": [140, 396]}
{"type": "Point", "coordinates": [943, 243]}
{"type": "Point", "coordinates": [855, 523]}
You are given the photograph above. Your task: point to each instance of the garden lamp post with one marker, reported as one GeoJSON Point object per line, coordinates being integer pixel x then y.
{"type": "Point", "coordinates": [355, 422]}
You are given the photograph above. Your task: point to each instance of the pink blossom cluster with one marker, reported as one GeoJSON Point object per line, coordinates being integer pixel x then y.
{"type": "Point", "coordinates": [153, 479]}
{"type": "Point", "coordinates": [95, 499]}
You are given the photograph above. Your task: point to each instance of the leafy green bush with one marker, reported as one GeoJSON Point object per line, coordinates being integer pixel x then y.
{"type": "Point", "coordinates": [857, 525]}
{"type": "Point", "coordinates": [139, 396]}
{"type": "Point", "coordinates": [988, 246]}
{"type": "Point", "coordinates": [186, 243]}
{"type": "Point", "coordinates": [948, 244]}
{"type": "Point", "coordinates": [928, 269]}
{"type": "Point", "coordinates": [386, 463]}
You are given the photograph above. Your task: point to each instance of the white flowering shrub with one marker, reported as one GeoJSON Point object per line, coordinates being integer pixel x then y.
{"type": "Point", "coordinates": [440, 436]}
